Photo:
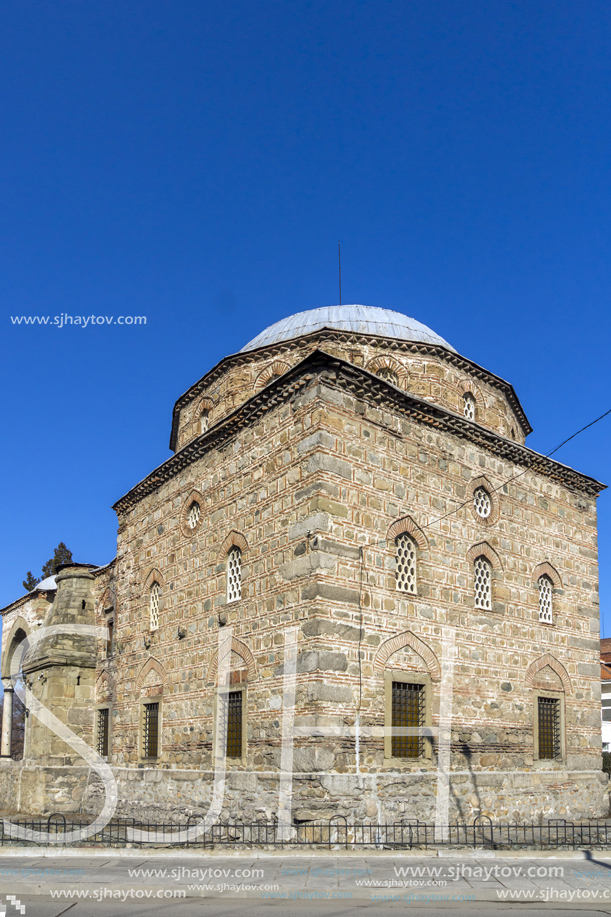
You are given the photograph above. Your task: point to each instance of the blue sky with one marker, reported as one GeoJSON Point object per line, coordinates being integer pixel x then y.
{"type": "Point", "coordinates": [197, 162]}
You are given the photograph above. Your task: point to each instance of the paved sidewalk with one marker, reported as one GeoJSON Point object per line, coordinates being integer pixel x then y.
{"type": "Point", "coordinates": [88, 886]}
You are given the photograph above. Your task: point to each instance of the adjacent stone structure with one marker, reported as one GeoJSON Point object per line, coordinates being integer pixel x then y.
{"type": "Point", "coordinates": [351, 483]}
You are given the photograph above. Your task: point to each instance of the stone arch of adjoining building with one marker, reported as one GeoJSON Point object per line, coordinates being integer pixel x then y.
{"type": "Point", "coordinates": [240, 648]}
{"type": "Point", "coordinates": [103, 688]}
{"type": "Point", "coordinates": [487, 551]}
{"type": "Point", "coordinates": [234, 539]}
{"type": "Point", "coordinates": [398, 642]}
{"type": "Point", "coordinates": [548, 660]}
{"type": "Point", "coordinates": [277, 368]}
{"type": "Point", "coordinates": [18, 633]}
{"type": "Point", "coordinates": [407, 524]}
{"type": "Point", "coordinates": [151, 665]}
{"type": "Point", "coordinates": [546, 569]}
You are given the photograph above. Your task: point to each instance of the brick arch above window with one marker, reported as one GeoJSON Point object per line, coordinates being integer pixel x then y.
{"type": "Point", "coordinates": [557, 667]}
{"type": "Point", "coordinates": [468, 387]}
{"type": "Point", "coordinates": [381, 366]}
{"type": "Point", "coordinates": [277, 368]}
{"type": "Point", "coordinates": [407, 638]}
{"type": "Point", "coordinates": [407, 524]}
{"type": "Point", "coordinates": [107, 600]}
{"type": "Point", "coordinates": [546, 569]}
{"type": "Point", "coordinates": [233, 540]}
{"type": "Point", "coordinates": [483, 549]}
{"type": "Point", "coordinates": [151, 667]}
{"type": "Point", "coordinates": [154, 576]}
{"type": "Point", "coordinates": [240, 648]}
{"type": "Point", "coordinates": [205, 403]}
{"type": "Point", "coordinates": [495, 507]}
{"type": "Point", "coordinates": [185, 527]}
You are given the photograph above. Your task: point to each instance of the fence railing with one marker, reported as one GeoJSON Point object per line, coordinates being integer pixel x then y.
{"type": "Point", "coordinates": [337, 833]}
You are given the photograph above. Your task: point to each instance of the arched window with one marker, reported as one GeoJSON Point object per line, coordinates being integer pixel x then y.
{"type": "Point", "coordinates": [234, 574]}
{"type": "Point", "coordinates": [155, 596]}
{"type": "Point", "coordinates": [482, 504]}
{"type": "Point", "coordinates": [193, 514]}
{"type": "Point", "coordinates": [482, 580]}
{"type": "Point", "coordinates": [469, 406]}
{"type": "Point", "coordinates": [545, 600]}
{"type": "Point", "coordinates": [204, 420]}
{"type": "Point", "coordinates": [388, 375]}
{"type": "Point", "coordinates": [405, 573]}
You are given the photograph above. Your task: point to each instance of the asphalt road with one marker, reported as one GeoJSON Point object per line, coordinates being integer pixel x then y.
{"type": "Point", "coordinates": [216, 885]}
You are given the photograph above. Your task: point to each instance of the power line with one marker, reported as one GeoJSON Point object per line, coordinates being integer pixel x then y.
{"type": "Point", "coordinates": [516, 476]}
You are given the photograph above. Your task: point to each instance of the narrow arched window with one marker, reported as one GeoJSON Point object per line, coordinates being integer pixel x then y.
{"type": "Point", "coordinates": [545, 599]}
{"type": "Point", "coordinates": [234, 574]}
{"type": "Point", "coordinates": [193, 515]}
{"type": "Point", "coordinates": [469, 406]}
{"type": "Point", "coordinates": [405, 572]}
{"type": "Point", "coordinates": [204, 420]}
{"type": "Point", "coordinates": [482, 581]}
{"type": "Point", "coordinates": [155, 596]}
{"type": "Point", "coordinates": [389, 375]}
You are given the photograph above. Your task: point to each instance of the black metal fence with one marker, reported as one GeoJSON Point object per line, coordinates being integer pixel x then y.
{"type": "Point", "coordinates": [337, 833]}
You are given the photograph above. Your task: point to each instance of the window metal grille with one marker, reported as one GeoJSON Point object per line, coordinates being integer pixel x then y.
{"type": "Point", "coordinates": [408, 712]}
{"type": "Point", "coordinates": [405, 574]}
{"type": "Point", "coordinates": [194, 514]}
{"type": "Point", "coordinates": [545, 599]}
{"type": "Point", "coordinates": [482, 574]}
{"type": "Point", "coordinates": [234, 725]}
{"type": "Point", "coordinates": [388, 375]}
{"type": "Point", "coordinates": [204, 421]}
{"type": "Point", "coordinates": [549, 727]}
{"type": "Point", "coordinates": [150, 731]}
{"type": "Point", "coordinates": [469, 406]}
{"type": "Point", "coordinates": [155, 594]}
{"type": "Point", "coordinates": [103, 723]}
{"type": "Point", "coordinates": [482, 502]}
{"type": "Point", "coordinates": [234, 574]}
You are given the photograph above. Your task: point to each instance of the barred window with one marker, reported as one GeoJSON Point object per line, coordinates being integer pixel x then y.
{"type": "Point", "coordinates": [234, 725]}
{"type": "Point", "coordinates": [150, 730]}
{"type": "Point", "coordinates": [154, 605]}
{"type": "Point", "coordinates": [405, 574]}
{"type": "Point", "coordinates": [193, 515]}
{"type": "Point", "coordinates": [103, 733]}
{"type": "Point", "coordinates": [204, 420]}
{"type": "Point", "coordinates": [469, 406]}
{"type": "Point", "coordinates": [482, 502]}
{"type": "Point", "coordinates": [549, 727]}
{"type": "Point", "coordinates": [234, 574]}
{"type": "Point", "coordinates": [389, 375]}
{"type": "Point", "coordinates": [408, 715]}
{"type": "Point", "coordinates": [482, 574]}
{"type": "Point", "coordinates": [545, 599]}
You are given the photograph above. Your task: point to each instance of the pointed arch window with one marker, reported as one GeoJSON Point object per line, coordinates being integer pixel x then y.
{"type": "Point", "coordinates": [545, 600]}
{"type": "Point", "coordinates": [405, 572]}
{"type": "Point", "coordinates": [482, 581]}
{"type": "Point", "coordinates": [154, 602]}
{"type": "Point", "coordinates": [234, 574]}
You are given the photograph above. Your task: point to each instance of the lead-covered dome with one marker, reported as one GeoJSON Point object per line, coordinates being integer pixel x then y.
{"type": "Point", "coordinates": [362, 319]}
